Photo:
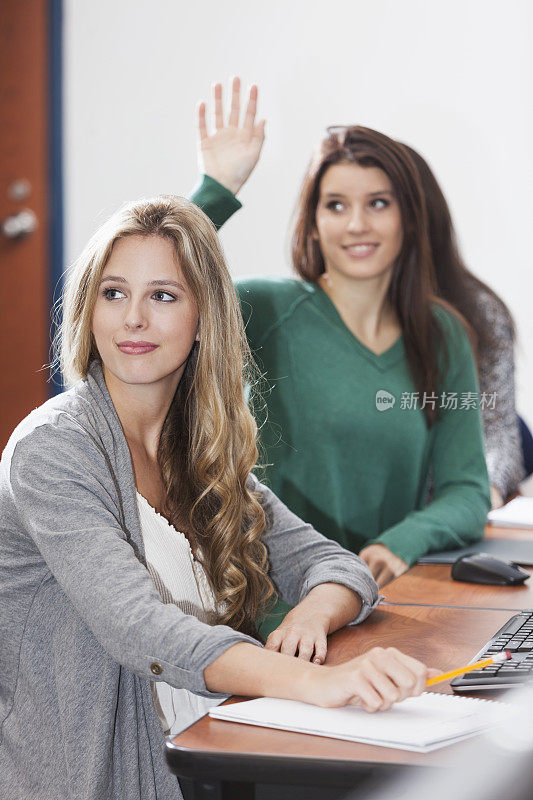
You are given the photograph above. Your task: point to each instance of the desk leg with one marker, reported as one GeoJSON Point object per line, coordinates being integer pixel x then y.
{"type": "Point", "coordinates": [224, 790]}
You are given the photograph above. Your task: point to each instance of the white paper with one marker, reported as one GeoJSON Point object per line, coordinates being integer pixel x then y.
{"type": "Point", "coordinates": [516, 514]}
{"type": "Point", "coordinates": [420, 723]}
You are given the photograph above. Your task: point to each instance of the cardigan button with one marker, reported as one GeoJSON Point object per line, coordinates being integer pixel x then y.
{"type": "Point", "coordinates": [156, 668]}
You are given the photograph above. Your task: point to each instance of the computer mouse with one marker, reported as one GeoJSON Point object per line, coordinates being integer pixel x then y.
{"type": "Point", "coordinates": [484, 568]}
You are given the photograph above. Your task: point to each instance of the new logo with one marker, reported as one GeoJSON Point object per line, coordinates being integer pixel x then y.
{"type": "Point", "coordinates": [384, 400]}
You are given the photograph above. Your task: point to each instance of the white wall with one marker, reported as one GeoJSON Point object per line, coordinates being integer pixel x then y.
{"type": "Point", "coordinates": [450, 77]}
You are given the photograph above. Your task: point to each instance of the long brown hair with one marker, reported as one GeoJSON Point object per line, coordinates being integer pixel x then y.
{"type": "Point", "coordinates": [207, 445]}
{"type": "Point", "coordinates": [455, 283]}
{"type": "Point", "coordinates": [411, 290]}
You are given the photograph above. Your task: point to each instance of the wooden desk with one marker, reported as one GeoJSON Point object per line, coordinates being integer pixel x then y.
{"type": "Point", "coordinates": [432, 584]}
{"type": "Point", "coordinates": [238, 756]}
{"type": "Point", "coordinates": [493, 532]}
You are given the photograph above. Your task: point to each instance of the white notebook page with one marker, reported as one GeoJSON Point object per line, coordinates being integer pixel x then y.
{"type": "Point", "coordinates": [419, 723]}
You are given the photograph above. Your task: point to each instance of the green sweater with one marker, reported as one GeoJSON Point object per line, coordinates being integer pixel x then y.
{"type": "Point", "coordinates": [338, 451]}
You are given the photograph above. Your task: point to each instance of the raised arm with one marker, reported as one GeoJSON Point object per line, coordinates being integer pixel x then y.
{"type": "Point", "coordinates": [230, 152]}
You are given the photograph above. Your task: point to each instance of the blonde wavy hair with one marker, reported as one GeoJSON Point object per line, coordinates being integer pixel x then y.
{"type": "Point", "coordinates": [207, 446]}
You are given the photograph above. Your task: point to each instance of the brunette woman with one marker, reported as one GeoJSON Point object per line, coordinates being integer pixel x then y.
{"type": "Point", "coordinates": [372, 380]}
{"type": "Point", "coordinates": [136, 548]}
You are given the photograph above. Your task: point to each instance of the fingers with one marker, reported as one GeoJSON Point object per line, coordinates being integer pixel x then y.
{"type": "Point", "coordinates": [219, 111]}
{"type": "Point", "coordinates": [386, 689]}
{"type": "Point", "coordinates": [306, 648]}
{"type": "Point", "coordinates": [379, 569]}
{"type": "Point", "coordinates": [365, 695]}
{"type": "Point", "coordinates": [296, 642]}
{"type": "Point", "coordinates": [292, 642]}
{"type": "Point", "coordinates": [259, 130]}
{"type": "Point", "coordinates": [368, 556]}
{"type": "Point", "coordinates": [321, 650]}
{"type": "Point", "coordinates": [274, 640]}
{"type": "Point", "coordinates": [417, 667]}
{"type": "Point", "coordinates": [382, 563]}
{"type": "Point", "coordinates": [391, 675]}
{"type": "Point", "coordinates": [377, 668]}
{"type": "Point", "coordinates": [313, 649]}
{"type": "Point", "coordinates": [249, 126]}
{"type": "Point", "coordinates": [251, 109]}
{"type": "Point", "coordinates": [202, 124]}
{"type": "Point", "coordinates": [388, 573]}
{"type": "Point", "coordinates": [382, 575]}
{"type": "Point", "coordinates": [235, 102]}
{"type": "Point", "coordinates": [408, 674]}
{"type": "Point", "coordinates": [375, 680]}
{"type": "Point", "coordinates": [283, 641]}
{"type": "Point", "coordinates": [388, 666]}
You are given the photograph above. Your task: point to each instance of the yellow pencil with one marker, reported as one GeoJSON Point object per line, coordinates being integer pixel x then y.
{"type": "Point", "coordinates": [497, 658]}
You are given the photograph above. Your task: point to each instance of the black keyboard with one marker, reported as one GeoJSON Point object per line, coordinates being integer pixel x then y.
{"type": "Point", "coordinates": [516, 636]}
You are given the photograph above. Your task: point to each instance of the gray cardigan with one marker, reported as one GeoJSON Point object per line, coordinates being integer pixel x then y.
{"type": "Point", "coordinates": [81, 623]}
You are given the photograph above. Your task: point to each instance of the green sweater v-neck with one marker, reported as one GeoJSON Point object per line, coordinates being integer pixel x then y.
{"type": "Point", "coordinates": [344, 439]}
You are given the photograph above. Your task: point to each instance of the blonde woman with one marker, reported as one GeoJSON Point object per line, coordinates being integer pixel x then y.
{"type": "Point", "coordinates": [136, 548]}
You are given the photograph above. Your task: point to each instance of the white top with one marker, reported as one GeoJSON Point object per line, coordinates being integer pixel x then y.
{"type": "Point", "coordinates": [179, 579]}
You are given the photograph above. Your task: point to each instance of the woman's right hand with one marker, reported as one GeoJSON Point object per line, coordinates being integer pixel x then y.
{"type": "Point", "coordinates": [374, 681]}
{"type": "Point", "coordinates": [230, 152]}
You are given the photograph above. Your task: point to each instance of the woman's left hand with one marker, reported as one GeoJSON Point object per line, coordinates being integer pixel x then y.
{"type": "Point", "coordinates": [301, 633]}
{"type": "Point", "coordinates": [383, 564]}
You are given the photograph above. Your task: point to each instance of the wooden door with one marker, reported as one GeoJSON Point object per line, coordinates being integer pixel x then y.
{"type": "Point", "coordinates": [24, 284]}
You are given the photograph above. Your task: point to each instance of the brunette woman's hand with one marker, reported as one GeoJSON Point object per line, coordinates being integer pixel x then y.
{"type": "Point", "coordinates": [231, 151]}
{"type": "Point", "coordinates": [383, 564]}
{"type": "Point", "coordinates": [374, 681]}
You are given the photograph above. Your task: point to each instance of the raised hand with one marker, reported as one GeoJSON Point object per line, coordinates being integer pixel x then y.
{"type": "Point", "coordinates": [230, 152]}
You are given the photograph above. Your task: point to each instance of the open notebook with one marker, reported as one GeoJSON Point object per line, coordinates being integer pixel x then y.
{"type": "Point", "coordinates": [421, 723]}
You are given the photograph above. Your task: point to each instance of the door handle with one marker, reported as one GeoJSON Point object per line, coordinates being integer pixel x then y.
{"type": "Point", "coordinates": [17, 226]}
